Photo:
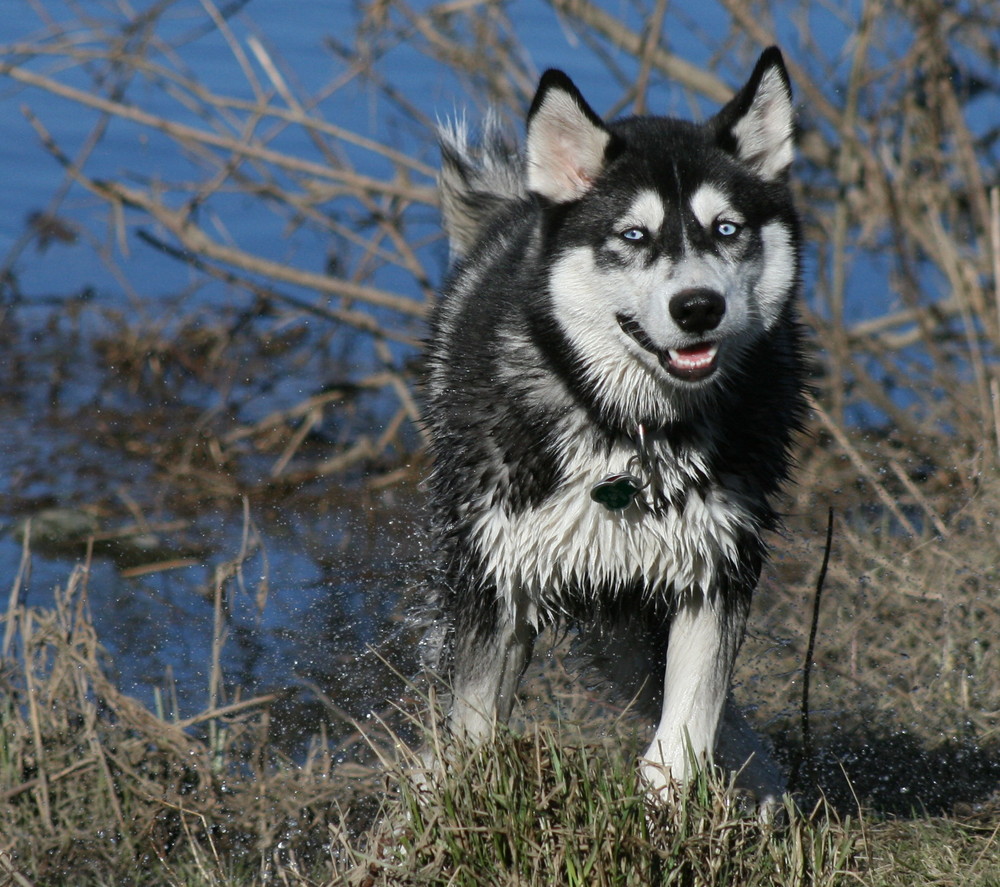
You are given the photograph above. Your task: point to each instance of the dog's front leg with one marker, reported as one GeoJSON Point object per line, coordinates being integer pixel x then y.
{"type": "Point", "coordinates": [704, 638]}
{"type": "Point", "coordinates": [487, 667]}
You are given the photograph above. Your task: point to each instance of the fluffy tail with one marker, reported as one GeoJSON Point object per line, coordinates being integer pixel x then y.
{"type": "Point", "coordinates": [476, 179]}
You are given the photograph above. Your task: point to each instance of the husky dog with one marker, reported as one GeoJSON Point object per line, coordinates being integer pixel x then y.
{"type": "Point", "coordinates": [615, 378]}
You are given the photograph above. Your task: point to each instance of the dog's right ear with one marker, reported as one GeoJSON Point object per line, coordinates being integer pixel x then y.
{"type": "Point", "coordinates": [566, 141]}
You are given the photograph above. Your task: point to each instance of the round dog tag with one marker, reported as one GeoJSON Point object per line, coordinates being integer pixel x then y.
{"type": "Point", "coordinates": [616, 491]}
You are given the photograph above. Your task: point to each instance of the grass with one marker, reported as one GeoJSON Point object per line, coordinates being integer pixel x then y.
{"type": "Point", "coordinates": [540, 809]}
{"type": "Point", "coordinates": [97, 789]}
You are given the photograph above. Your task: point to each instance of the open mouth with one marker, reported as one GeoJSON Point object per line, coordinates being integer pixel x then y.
{"type": "Point", "coordinates": [691, 363]}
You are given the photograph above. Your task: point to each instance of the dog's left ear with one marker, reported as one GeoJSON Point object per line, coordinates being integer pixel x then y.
{"type": "Point", "coordinates": [758, 125]}
{"type": "Point", "coordinates": [566, 142]}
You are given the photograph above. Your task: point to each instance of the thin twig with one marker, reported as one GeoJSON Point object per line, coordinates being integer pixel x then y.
{"type": "Point", "coordinates": [651, 42]}
{"type": "Point", "coordinates": [806, 754]}
{"type": "Point", "coordinates": [183, 133]}
{"type": "Point", "coordinates": [676, 68]}
{"type": "Point", "coordinates": [364, 323]}
{"type": "Point", "coordinates": [863, 467]}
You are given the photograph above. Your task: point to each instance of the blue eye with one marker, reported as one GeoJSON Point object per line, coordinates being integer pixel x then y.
{"type": "Point", "coordinates": [725, 228]}
{"type": "Point", "coordinates": [634, 235]}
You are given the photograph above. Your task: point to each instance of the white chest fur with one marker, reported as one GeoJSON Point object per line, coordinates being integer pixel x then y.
{"type": "Point", "coordinates": [569, 541]}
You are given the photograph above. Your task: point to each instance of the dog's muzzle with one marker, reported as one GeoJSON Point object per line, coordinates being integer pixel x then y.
{"type": "Point", "coordinates": [696, 311]}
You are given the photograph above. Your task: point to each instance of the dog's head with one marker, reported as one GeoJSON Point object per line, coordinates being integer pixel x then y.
{"type": "Point", "coordinates": [674, 246]}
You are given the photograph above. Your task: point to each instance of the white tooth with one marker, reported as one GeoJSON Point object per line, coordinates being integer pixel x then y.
{"type": "Point", "coordinates": [685, 361]}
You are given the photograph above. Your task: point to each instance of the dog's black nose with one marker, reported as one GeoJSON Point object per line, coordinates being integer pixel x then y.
{"type": "Point", "coordinates": [697, 310]}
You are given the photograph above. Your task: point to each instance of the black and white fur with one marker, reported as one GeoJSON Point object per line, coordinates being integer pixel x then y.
{"type": "Point", "coordinates": [622, 295]}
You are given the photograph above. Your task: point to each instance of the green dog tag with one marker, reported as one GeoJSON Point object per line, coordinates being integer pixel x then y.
{"type": "Point", "coordinates": [616, 491]}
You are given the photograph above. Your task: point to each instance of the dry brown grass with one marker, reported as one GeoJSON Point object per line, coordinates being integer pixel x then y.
{"type": "Point", "coordinates": [97, 788]}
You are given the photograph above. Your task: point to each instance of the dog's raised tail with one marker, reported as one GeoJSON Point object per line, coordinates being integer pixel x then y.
{"type": "Point", "coordinates": [477, 178]}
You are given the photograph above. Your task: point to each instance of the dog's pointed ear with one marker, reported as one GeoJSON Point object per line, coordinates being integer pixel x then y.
{"type": "Point", "coordinates": [566, 142]}
{"type": "Point", "coordinates": [758, 123]}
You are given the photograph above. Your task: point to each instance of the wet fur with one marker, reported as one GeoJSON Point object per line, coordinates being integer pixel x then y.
{"type": "Point", "coordinates": [555, 339]}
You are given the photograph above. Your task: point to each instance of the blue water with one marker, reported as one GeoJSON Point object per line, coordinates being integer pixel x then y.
{"type": "Point", "coordinates": [321, 588]}
{"type": "Point", "coordinates": [296, 40]}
